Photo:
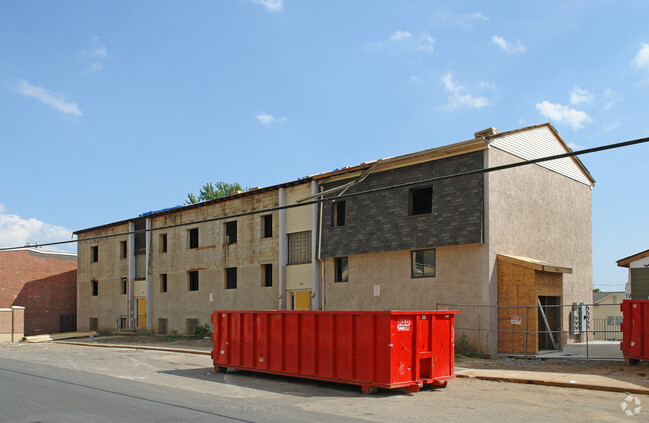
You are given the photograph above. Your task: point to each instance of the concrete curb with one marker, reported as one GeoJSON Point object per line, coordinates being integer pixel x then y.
{"type": "Point", "coordinates": [136, 347]}
{"type": "Point", "coordinates": [531, 381]}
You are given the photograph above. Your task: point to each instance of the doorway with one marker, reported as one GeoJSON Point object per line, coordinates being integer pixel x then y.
{"type": "Point", "coordinates": [141, 313]}
{"type": "Point", "coordinates": [300, 300]}
{"type": "Point", "coordinates": [549, 323]}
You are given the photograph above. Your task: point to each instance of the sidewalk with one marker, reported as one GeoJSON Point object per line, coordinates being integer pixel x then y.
{"type": "Point", "coordinates": [628, 384]}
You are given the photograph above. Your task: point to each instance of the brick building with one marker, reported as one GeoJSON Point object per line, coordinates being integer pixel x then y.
{"type": "Point", "coordinates": [45, 284]}
{"type": "Point", "coordinates": [385, 238]}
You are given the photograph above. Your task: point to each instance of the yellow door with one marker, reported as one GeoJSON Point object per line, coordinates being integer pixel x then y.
{"type": "Point", "coordinates": [301, 300]}
{"type": "Point", "coordinates": [141, 313]}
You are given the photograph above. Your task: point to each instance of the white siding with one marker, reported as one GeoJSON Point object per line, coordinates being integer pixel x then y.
{"type": "Point", "coordinates": [298, 219]}
{"type": "Point", "coordinates": [540, 142]}
{"type": "Point", "coordinates": [298, 276]}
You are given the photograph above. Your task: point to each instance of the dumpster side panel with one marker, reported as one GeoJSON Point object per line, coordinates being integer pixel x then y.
{"type": "Point", "coordinates": [382, 348]}
{"type": "Point", "coordinates": [635, 329]}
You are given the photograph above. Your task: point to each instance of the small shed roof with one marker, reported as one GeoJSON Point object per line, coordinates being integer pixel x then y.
{"type": "Point", "coordinates": [539, 265]}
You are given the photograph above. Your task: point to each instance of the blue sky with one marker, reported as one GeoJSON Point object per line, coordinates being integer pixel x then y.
{"type": "Point", "coordinates": [111, 109]}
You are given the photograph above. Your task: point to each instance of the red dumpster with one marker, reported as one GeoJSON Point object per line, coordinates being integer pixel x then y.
{"type": "Point", "coordinates": [635, 330]}
{"type": "Point", "coordinates": [373, 349]}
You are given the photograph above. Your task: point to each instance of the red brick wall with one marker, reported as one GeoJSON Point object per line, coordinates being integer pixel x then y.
{"type": "Point", "coordinates": [45, 284]}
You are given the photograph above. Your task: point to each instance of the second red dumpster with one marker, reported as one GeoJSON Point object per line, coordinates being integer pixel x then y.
{"type": "Point", "coordinates": [373, 349]}
{"type": "Point", "coordinates": [635, 330]}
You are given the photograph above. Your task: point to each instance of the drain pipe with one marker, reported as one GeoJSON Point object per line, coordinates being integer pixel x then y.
{"type": "Point", "coordinates": [149, 282]}
{"type": "Point", "coordinates": [130, 299]}
{"type": "Point", "coordinates": [322, 271]}
{"type": "Point", "coordinates": [315, 264]}
{"type": "Point", "coordinates": [283, 252]}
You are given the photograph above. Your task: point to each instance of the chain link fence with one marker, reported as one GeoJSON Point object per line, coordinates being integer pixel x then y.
{"type": "Point", "coordinates": [584, 331]}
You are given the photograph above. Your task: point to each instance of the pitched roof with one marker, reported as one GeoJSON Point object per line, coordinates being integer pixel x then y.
{"type": "Point", "coordinates": [625, 262]}
{"type": "Point", "coordinates": [599, 296]}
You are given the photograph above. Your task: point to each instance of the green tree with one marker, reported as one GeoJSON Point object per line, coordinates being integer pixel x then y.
{"type": "Point", "coordinates": [211, 191]}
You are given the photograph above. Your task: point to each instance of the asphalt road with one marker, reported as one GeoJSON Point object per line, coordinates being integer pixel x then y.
{"type": "Point", "coordinates": [64, 383]}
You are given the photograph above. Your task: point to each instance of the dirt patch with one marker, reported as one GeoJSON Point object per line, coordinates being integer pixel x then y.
{"type": "Point", "coordinates": [593, 367]}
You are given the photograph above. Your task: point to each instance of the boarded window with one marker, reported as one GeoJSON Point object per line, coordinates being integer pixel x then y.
{"type": "Point", "coordinates": [94, 254]}
{"type": "Point", "coordinates": [341, 269]}
{"type": "Point", "coordinates": [420, 201]}
{"type": "Point", "coordinates": [267, 274]}
{"type": "Point", "coordinates": [162, 326]}
{"type": "Point", "coordinates": [231, 232]}
{"type": "Point", "coordinates": [423, 263]}
{"type": "Point", "coordinates": [163, 243]}
{"type": "Point", "coordinates": [192, 324]}
{"type": "Point", "coordinates": [231, 278]}
{"type": "Point", "coordinates": [94, 323]}
{"type": "Point", "coordinates": [338, 213]}
{"type": "Point", "coordinates": [123, 249]}
{"type": "Point", "coordinates": [192, 280]}
{"type": "Point", "coordinates": [267, 226]}
{"type": "Point", "coordinates": [163, 282]}
{"type": "Point", "coordinates": [193, 237]}
{"type": "Point", "coordinates": [299, 247]}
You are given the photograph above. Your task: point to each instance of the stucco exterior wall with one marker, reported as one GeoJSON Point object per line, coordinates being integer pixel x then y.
{"type": "Point", "coordinates": [537, 213]}
{"type": "Point", "coordinates": [459, 275]}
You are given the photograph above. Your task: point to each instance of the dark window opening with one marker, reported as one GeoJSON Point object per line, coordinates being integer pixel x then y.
{"type": "Point", "coordinates": [267, 274]}
{"type": "Point", "coordinates": [423, 264]}
{"type": "Point", "coordinates": [163, 243]}
{"type": "Point", "coordinates": [421, 201]}
{"type": "Point", "coordinates": [124, 286]}
{"type": "Point", "coordinates": [338, 213]}
{"type": "Point", "coordinates": [163, 282]}
{"type": "Point", "coordinates": [123, 249]}
{"type": "Point", "coordinates": [94, 254]}
{"type": "Point", "coordinates": [231, 278]}
{"type": "Point", "coordinates": [193, 280]}
{"type": "Point", "coordinates": [267, 221]}
{"type": "Point", "coordinates": [231, 232]}
{"type": "Point", "coordinates": [193, 238]}
{"type": "Point", "coordinates": [341, 269]}
{"type": "Point", "coordinates": [140, 236]}
{"type": "Point", "coordinates": [95, 288]}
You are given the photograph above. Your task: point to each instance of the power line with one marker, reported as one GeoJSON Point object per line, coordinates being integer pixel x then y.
{"type": "Point", "coordinates": [354, 194]}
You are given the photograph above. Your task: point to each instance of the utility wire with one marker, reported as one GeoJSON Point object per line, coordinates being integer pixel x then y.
{"type": "Point", "coordinates": [354, 194]}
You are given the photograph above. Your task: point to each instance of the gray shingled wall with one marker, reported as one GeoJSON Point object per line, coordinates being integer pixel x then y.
{"type": "Point", "coordinates": [379, 221]}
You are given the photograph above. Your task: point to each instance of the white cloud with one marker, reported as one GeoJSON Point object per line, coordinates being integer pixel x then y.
{"type": "Point", "coordinates": [427, 43]}
{"type": "Point", "coordinates": [271, 5]}
{"type": "Point", "coordinates": [579, 96]}
{"type": "Point", "coordinates": [516, 47]}
{"type": "Point", "coordinates": [95, 67]}
{"type": "Point", "coordinates": [53, 100]}
{"type": "Point", "coordinates": [457, 97]}
{"type": "Point", "coordinates": [16, 231]}
{"type": "Point", "coordinates": [466, 21]}
{"type": "Point", "coordinates": [100, 51]}
{"type": "Point", "coordinates": [267, 119]}
{"type": "Point", "coordinates": [611, 98]}
{"type": "Point", "coordinates": [400, 35]}
{"type": "Point", "coordinates": [564, 115]}
{"type": "Point", "coordinates": [641, 60]}
{"type": "Point", "coordinates": [575, 147]}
